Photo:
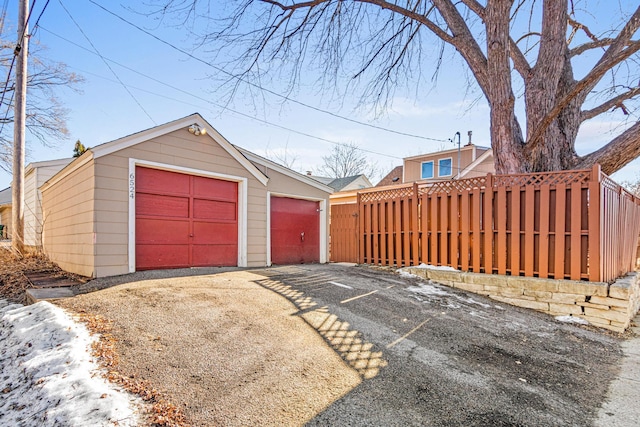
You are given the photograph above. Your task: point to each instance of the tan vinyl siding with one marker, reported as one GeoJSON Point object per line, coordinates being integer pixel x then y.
{"type": "Point", "coordinates": [68, 217]}
{"type": "Point", "coordinates": [178, 148]}
{"type": "Point", "coordinates": [33, 199]}
{"type": "Point", "coordinates": [5, 219]}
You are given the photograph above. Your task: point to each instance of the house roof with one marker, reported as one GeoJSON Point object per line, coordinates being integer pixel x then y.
{"type": "Point", "coordinates": [450, 151]}
{"type": "Point", "coordinates": [47, 163]}
{"type": "Point", "coordinates": [481, 158]}
{"type": "Point", "coordinates": [323, 179]}
{"type": "Point", "coordinates": [5, 196]}
{"type": "Point", "coordinates": [393, 177]}
{"type": "Point", "coordinates": [145, 135]}
{"type": "Point", "coordinates": [284, 170]}
{"type": "Point", "coordinates": [339, 183]}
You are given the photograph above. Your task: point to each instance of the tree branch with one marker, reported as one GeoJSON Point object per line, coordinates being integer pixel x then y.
{"type": "Point", "coordinates": [412, 14]}
{"type": "Point", "coordinates": [578, 50]}
{"type": "Point", "coordinates": [611, 103]}
{"type": "Point", "coordinates": [464, 42]}
{"type": "Point", "coordinates": [616, 154]}
{"type": "Point", "coordinates": [585, 84]}
{"type": "Point", "coordinates": [615, 50]}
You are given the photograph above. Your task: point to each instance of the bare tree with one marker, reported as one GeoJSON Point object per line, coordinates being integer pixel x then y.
{"type": "Point", "coordinates": [347, 160]}
{"type": "Point", "coordinates": [510, 47]}
{"type": "Point", "coordinates": [282, 156]}
{"type": "Point", "coordinates": [46, 116]}
{"type": "Point", "coordinates": [633, 185]}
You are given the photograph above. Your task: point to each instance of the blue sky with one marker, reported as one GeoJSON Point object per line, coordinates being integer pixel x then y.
{"type": "Point", "coordinates": [102, 110]}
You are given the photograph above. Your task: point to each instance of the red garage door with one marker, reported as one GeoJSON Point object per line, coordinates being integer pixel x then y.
{"type": "Point", "coordinates": [295, 231]}
{"type": "Point", "coordinates": [184, 220]}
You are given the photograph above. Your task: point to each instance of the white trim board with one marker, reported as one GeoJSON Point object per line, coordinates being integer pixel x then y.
{"type": "Point", "coordinates": [242, 204]}
{"type": "Point", "coordinates": [146, 135]}
{"type": "Point", "coordinates": [285, 171]}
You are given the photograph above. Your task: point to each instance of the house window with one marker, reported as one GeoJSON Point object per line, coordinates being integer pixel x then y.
{"type": "Point", "coordinates": [444, 167]}
{"type": "Point", "coordinates": [427, 170]}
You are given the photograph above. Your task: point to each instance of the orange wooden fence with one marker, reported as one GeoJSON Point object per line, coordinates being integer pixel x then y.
{"type": "Point", "coordinates": [576, 225]}
{"type": "Point", "coordinates": [344, 233]}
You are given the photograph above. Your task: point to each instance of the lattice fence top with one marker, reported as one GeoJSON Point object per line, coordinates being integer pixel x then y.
{"type": "Point", "coordinates": [543, 178]}
{"type": "Point", "coordinates": [489, 180]}
{"type": "Point", "coordinates": [609, 183]}
{"type": "Point", "coordinates": [455, 185]}
{"type": "Point", "coordinates": [391, 193]}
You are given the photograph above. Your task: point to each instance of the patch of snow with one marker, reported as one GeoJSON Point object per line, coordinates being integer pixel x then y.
{"type": "Point", "coordinates": [472, 301]}
{"type": "Point", "coordinates": [404, 273]}
{"type": "Point", "coordinates": [437, 267]}
{"type": "Point", "coordinates": [48, 375]}
{"type": "Point", "coordinates": [428, 289]}
{"type": "Point", "coordinates": [572, 319]}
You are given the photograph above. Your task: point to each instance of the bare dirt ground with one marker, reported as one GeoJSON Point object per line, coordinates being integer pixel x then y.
{"type": "Point", "coordinates": [227, 351]}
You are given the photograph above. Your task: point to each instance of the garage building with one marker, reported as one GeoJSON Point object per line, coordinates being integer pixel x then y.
{"type": "Point", "coordinates": [180, 195]}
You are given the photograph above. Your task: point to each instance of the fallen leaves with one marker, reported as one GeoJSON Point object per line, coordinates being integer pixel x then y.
{"type": "Point", "coordinates": [13, 282]}
{"type": "Point", "coordinates": [163, 413]}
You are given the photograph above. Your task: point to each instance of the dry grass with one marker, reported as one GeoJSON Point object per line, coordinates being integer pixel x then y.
{"type": "Point", "coordinates": [13, 282]}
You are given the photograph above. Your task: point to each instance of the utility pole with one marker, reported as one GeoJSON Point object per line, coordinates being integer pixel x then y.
{"type": "Point", "coordinates": [17, 188]}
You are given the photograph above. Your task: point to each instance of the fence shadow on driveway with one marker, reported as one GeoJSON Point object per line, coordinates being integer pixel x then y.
{"type": "Point", "coordinates": [347, 342]}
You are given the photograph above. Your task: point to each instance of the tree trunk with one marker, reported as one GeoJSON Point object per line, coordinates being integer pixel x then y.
{"type": "Point", "coordinates": [505, 133]}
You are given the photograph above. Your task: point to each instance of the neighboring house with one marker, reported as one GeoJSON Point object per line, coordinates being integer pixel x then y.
{"type": "Point", "coordinates": [392, 178]}
{"type": "Point", "coordinates": [5, 213]}
{"type": "Point", "coordinates": [443, 165]}
{"type": "Point", "coordinates": [180, 195]}
{"type": "Point", "coordinates": [35, 175]}
{"type": "Point", "coordinates": [355, 182]}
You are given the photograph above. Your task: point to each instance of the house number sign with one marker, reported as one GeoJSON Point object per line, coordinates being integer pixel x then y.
{"type": "Point", "coordinates": [132, 185]}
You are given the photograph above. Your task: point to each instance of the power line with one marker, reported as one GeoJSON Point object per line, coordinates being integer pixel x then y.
{"type": "Point", "coordinates": [208, 101]}
{"type": "Point", "coordinates": [18, 47]}
{"type": "Point", "coordinates": [257, 86]}
{"type": "Point", "coordinates": [35, 26]}
{"type": "Point", "coordinates": [204, 99]}
{"type": "Point", "coordinates": [3, 15]}
{"type": "Point", "coordinates": [106, 63]}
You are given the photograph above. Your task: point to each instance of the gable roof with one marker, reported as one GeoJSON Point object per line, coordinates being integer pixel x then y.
{"type": "Point", "coordinates": [393, 177]}
{"type": "Point", "coordinates": [284, 170]}
{"type": "Point", "coordinates": [47, 163]}
{"type": "Point", "coordinates": [481, 158]}
{"type": "Point", "coordinates": [154, 132]}
{"type": "Point", "coordinates": [323, 179]}
{"type": "Point", "coordinates": [340, 183]}
{"type": "Point", "coordinates": [450, 151]}
{"type": "Point", "coordinates": [5, 196]}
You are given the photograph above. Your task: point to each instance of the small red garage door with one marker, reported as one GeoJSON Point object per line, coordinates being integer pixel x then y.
{"type": "Point", "coordinates": [295, 231]}
{"type": "Point", "coordinates": [184, 220]}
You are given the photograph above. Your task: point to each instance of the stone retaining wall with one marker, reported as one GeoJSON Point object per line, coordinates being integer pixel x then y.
{"type": "Point", "coordinates": [603, 305]}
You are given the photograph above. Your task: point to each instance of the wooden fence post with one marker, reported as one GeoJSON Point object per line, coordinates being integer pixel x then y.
{"type": "Point", "coordinates": [595, 221]}
{"type": "Point", "coordinates": [414, 227]}
{"type": "Point", "coordinates": [360, 229]}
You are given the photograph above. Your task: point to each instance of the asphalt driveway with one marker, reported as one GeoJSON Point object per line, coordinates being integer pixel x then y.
{"type": "Point", "coordinates": [338, 345]}
{"type": "Point", "coordinates": [453, 358]}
